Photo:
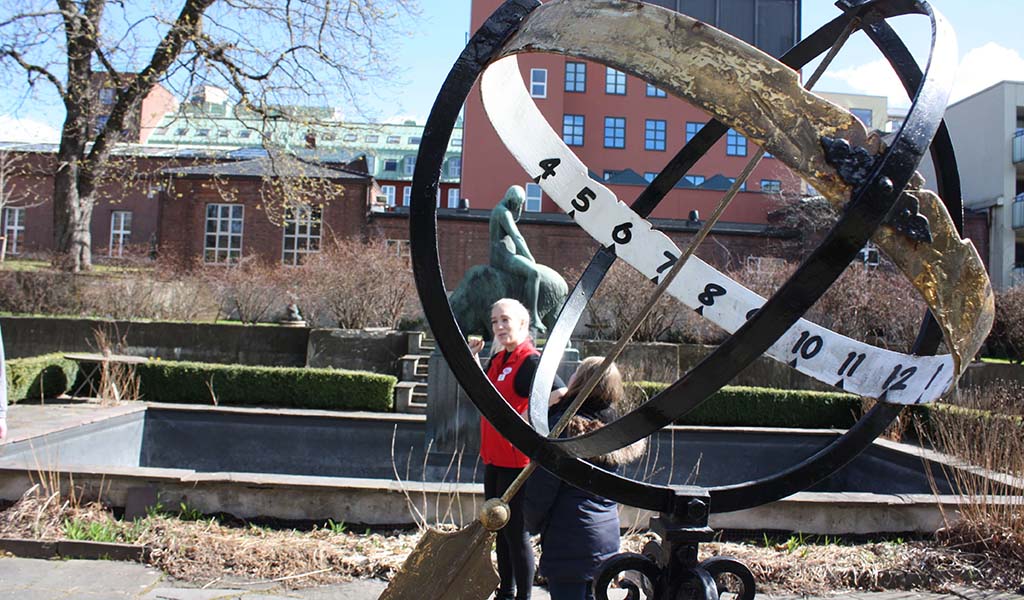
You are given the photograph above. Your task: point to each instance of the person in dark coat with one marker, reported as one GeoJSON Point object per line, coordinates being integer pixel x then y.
{"type": "Point", "coordinates": [578, 529]}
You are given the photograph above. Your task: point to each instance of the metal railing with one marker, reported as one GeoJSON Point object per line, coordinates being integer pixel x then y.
{"type": "Point", "coordinates": [1018, 211]}
{"type": "Point", "coordinates": [1018, 146]}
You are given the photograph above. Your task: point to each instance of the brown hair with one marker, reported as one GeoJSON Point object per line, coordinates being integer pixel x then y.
{"type": "Point", "coordinates": [609, 390]}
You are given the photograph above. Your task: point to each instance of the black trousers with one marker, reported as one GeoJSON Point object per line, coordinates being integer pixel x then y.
{"type": "Point", "coordinates": [515, 555]}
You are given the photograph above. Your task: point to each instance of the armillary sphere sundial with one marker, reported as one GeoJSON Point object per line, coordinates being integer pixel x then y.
{"type": "Point", "coordinates": [869, 177]}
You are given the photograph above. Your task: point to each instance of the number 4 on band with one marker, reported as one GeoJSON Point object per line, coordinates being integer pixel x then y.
{"type": "Point", "coordinates": [549, 165]}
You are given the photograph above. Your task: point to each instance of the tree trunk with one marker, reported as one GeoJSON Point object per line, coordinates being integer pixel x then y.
{"type": "Point", "coordinates": [72, 214]}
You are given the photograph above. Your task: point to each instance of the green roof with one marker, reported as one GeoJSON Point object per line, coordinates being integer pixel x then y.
{"type": "Point", "coordinates": [385, 144]}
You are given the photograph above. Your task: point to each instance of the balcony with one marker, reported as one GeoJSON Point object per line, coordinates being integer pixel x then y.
{"type": "Point", "coordinates": [1018, 211]}
{"type": "Point", "coordinates": [1018, 146]}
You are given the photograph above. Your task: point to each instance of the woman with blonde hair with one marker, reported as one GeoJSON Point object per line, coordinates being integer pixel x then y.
{"type": "Point", "coordinates": [511, 371]}
{"type": "Point", "coordinates": [579, 529]}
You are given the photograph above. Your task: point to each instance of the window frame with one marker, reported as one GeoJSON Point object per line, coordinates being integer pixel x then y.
{"type": "Point", "coordinates": [453, 198]}
{"type": "Point", "coordinates": [651, 135]}
{"type": "Point", "coordinates": [119, 234]}
{"type": "Point", "coordinates": [577, 136]}
{"type": "Point", "coordinates": [537, 197]}
{"type": "Point", "coordinates": [732, 143]}
{"type": "Point", "coordinates": [314, 219]}
{"type": "Point", "coordinates": [774, 186]}
{"type": "Point", "coordinates": [614, 128]}
{"type": "Point", "coordinates": [612, 83]}
{"type": "Point", "coordinates": [15, 233]}
{"type": "Point", "coordinates": [538, 87]}
{"type": "Point", "coordinates": [579, 77]}
{"type": "Point", "coordinates": [409, 165]}
{"type": "Point", "coordinates": [406, 195]}
{"type": "Point", "coordinates": [696, 126]}
{"type": "Point", "coordinates": [389, 191]}
{"type": "Point", "coordinates": [226, 234]}
{"type": "Point", "coordinates": [654, 91]}
{"type": "Point", "coordinates": [455, 167]}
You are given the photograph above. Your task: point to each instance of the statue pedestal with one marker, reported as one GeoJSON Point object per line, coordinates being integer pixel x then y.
{"type": "Point", "coordinates": [453, 421]}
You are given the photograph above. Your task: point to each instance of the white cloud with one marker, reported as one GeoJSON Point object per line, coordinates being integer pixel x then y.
{"type": "Point", "coordinates": [26, 130]}
{"type": "Point", "coordinates": [980, 67]}
{"type": "Point", "coordinates": [985, 66]}
{"type": "Point", "coordinates": [876, 78]}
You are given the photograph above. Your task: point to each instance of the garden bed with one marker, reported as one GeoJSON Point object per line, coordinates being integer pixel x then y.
{"type": "Point", "coordinates": [201, 549]}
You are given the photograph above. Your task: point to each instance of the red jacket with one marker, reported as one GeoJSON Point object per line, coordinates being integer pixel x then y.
{"type": "Point", "coordinates": [494, 448]}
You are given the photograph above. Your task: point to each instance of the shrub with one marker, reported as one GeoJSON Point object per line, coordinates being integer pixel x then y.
{"type": "Point", "coordinates": [357, 285]}
{"type": "Point", "coordinates": [1007, 337]}
{"type": "Point", "coordinates": [250, 289]}
{"type": "Point", "coordinates": [737, 406]}
{"type": "Point", "coordinates": [41, 292]}
{"type": "Point", "coordinates": [285, 387]}
{"type": "Point", "coordinates": [45, 376]}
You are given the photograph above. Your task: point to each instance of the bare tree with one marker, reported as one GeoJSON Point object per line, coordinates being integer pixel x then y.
{"type": "Point", "coordinates": [269, 54]}
{"type": "Point", "coordinates": [18, 189]}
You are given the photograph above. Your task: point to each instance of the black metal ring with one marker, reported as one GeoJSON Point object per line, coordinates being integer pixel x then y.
{"type": "Point", "coordinates": [863, 215]}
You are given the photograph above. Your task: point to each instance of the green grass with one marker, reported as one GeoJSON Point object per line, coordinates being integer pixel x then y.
{"type": "Point", "coordinates": [997, 361]}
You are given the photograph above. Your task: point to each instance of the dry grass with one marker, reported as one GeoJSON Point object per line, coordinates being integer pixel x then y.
{"type": "Point", "coordinates": [205, 551]}
{"type": "Point", "coordinates": [985, 429]}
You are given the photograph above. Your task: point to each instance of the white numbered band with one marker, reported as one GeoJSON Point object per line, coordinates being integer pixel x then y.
{"type": "Point", "coordinates": [823, 354]}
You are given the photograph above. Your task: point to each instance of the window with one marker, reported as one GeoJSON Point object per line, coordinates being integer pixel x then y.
{"type": "Point", "coordinates": [399, 247]}
{"type": "Point", "coordinates": [735, 144]}
{"type": "Point", "coordinates": [868, 255]}
{"type": "Point", "coordinates": [410, 165]}
{"type": "Point", "coordinates": [181, 131]}
{"type": "Point", "coordinates": [244, 133]}
{"type": "Point", "coordinates": [223, 233]}
{"type": "Point", "coordinates": [539, 83]}
{"type": "Point", "coordinates": [330, 136]}
{"type": "Point", "coordinates": [655, 92]}
{"type": "Point", "coordinates": [608, 174]}
{"type": "Point", "coordinates": [864, 114]}
{"type": "Point", "coordinates": [572, 130]}
{"type": "Point", "coordinates": [455, 166]}
{"type": "Point", "coordinates": [14, 229]}
{"type": "Point", "coordinates": [394, 139]}
{"type": "Point", "coordinates": [350, 137]}
{"type": "Point", "coordinates": [654, 134]}
{"type": "Point", "coordinates": [406, 195]}
{"type": "Point", "coordinates": [614, 82]}
{"type": "Point", "coordinates": [120, 231]}
{"type": "Point", "coordinates": [575, 77]}
{"type": "Point", "coordinates": [107, 95]}
{"type": "Point", "coordinates": [414, 140]}
{"type": "Point", "coordinates": [389, 192]}
{"type": "Point", "coordinates": [223, 133]}
{"type": "Point", "coordinates": [202, 132]}
{"type": "Point", "coordinates": [695, 179]}
{"type": "Point", "coordinates": [771, 186]}
{"type": "Point", "coordinates": [390, 164]}
{"type": "Point", "coordinates": [649, 176]}
{"type": "Point", "coordinates": [371, 139]}
{"type": "Point", "coordinates": [743, 186]}
{"type": "Point", "coordinates": [692, 129]}
{"type": "Point", "coordinates": [302, 225]}
{"type": "Point", "coordinates": [614, 132]}
{"type": "Point", "coordinates": [453, 198]}
{"type": "Point", "coordinates": [533, 197]}
{"type": "Point", "coordinates": [457, 142]}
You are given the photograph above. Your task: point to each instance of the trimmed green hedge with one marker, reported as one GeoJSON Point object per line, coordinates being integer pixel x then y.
{"type": "Point", "coordinates": [45, 376]}
{"type": "Point", "coordinates": [284, 387]}
{"type": "Point", "coordinates": [737, 406]}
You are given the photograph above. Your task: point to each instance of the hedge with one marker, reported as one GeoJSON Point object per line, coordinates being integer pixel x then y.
{"type": "Point", "coordinates": [46, 376]}
{"type": "Point", "coordinates": [283, 387]}
{"type": "Point", "coordinates": [738, 406]}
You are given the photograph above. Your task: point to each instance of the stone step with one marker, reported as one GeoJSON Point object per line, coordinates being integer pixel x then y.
{"type": "Point", "coordinates": [420, 342]}
{"type": "Point", "coordinates": [411, 397]}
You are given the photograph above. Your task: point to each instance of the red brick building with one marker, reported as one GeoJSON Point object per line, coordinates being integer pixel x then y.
{"type": "Point", "coordinates": [626, 130]}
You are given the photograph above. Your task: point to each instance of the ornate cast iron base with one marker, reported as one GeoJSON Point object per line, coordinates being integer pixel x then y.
{"type": "Point", "coordinates": [670, 570]}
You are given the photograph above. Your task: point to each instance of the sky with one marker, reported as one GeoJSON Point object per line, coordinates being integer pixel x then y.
{"type": "Point", "coordinates": [991, 49]}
